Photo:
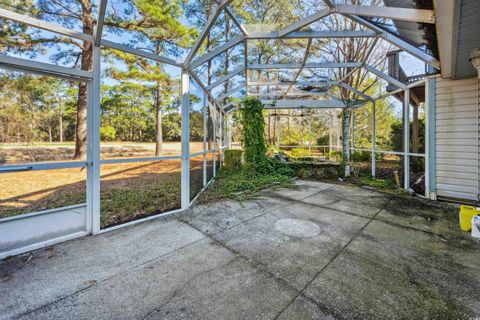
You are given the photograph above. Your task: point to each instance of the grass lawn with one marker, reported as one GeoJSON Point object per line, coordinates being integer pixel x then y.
{"type": "Point", "coordinates": [128, 191]}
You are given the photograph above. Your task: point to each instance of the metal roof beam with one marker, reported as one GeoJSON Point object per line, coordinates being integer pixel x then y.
{"type": "Point", "coordinates": [9, 15]}
{"type": "Point", "coordinates": [215, 52]}
{"type": "Point", "coordinates": [145, 54]}
{"type": "Point", "coordinates": [231, 91]}
{"type": "Point", "coordinates": [394, 13]}
{"type": "Point", "coordinates": [225, 78]}
{"type": "Point", "coordinates": [396, 41]}
{"type": "Point", "coordinates": [385, 77]}
{"type": "Point", "coordinates": [101, 19]}
{"type": "Point", "coordinates": [287, 83]}
{"type": "Point", "coordinates": [235, 21]}
{"type": "Point", "coordinates": [296, 104]}
{"type": "Point", "coordinates": [313, 34]}
{"type": "Point", "coordinates": [324, 65]}
{"type": "Point", "coordinates": [329, 3]}
{"type": "Point", "coordinates": [200, 83]}
{"type": "Point", "coordinates": [206, 30]}
{"type": "Point", "coordinates": [305, 22]}
{"type": "Point", "coordinates": [356, 91]}
{"type": "Point", "coordinates": [29, 65]}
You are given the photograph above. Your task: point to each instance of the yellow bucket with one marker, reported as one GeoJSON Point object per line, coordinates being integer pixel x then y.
{"type": "Point", "coordinates": [466, 215]}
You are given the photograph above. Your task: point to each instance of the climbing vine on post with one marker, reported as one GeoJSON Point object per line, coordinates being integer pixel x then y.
{"type": "Point", "coordinates": [346, 116]}
{"type": "Point", "coordinates": [253, 124]}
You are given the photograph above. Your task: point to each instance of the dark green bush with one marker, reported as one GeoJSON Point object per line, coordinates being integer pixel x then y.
{"type": "Point", "coordinates": [323, 141]}
{"type": "Point", "coordinates": [233, 159]}
{"type": "Point", "coordinates": [360, 156]}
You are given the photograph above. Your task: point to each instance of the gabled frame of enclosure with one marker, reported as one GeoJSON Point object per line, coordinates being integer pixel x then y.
{"type": "Point", "coordinates": [192, 61]}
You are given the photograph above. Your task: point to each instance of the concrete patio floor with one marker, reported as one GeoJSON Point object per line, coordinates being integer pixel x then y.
{"type": "Point", "coordinates": [318, 251]}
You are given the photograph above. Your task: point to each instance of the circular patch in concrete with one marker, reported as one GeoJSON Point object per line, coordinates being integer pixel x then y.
{"type": "Point", "coordinates": [298, 228]}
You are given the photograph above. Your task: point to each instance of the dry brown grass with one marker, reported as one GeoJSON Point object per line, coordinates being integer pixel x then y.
{"type": "Point", "coordinates": [128, 191]}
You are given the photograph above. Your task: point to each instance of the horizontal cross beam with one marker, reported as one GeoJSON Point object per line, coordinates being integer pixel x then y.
{"type": "Point", "coordinates": [313, 34]}
{"type": "Point", "coordinates": [28, 65]}
{"type": "Point", "coordinates": [295, 104]}
{"type": "Point", "coordinates": [324, 65]}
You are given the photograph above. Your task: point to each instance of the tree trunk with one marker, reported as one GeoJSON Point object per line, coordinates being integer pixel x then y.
{"type": "Point", "coordinates": [87, 63]}
{"type": "Point", "coordinates": [60, 128]}
{"type": "Point", "coordinates": [50, 139]}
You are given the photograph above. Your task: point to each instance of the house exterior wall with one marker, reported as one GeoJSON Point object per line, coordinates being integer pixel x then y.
{"type": "Point", "coordinates": [457, 138]}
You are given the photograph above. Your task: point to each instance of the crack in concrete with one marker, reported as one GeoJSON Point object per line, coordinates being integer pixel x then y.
{"type": "Point", "coordinates": [145, 263]}
{"type": "Point", "coordinates": [187, 283]}
{"type": "Point", "coordinates": [301, 292]}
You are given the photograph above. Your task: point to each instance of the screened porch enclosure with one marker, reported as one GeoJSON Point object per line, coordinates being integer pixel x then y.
{"type": "Point", "coordinates": [114, 125]}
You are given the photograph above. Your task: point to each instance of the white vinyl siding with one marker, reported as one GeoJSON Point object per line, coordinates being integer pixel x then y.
{"type": "Point", "coordinates": [457, 138]}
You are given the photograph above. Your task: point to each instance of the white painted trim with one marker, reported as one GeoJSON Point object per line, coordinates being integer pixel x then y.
{"type": "Point", "coordinates": [138, 221]}
{"type": "Point", "coordinates": [42, 244]}
{"type": "Point", "coordinates": [185, 121]}
{"type": "Point", "coordinates": [143, 159]}
{"type": "Point", "coordinates": [39, 213]}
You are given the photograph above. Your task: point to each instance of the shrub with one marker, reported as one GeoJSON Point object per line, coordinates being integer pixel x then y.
{"type": "Point", "coordinates": [3, 158]}
{"type": "Point", "coordinates": [233, 159]}
{"type": "Point", "coordinates": [323, 141]}
{"type": "Point", "coordinates": [300, 153]}
{"type": "Point", "coordinates": [335, 156]}
{"type": "Point", "coordinates": [272, 150]}
{"type": "Point", "coordinates": [108, 133]}
{"type": "Point", "coordinates": [360, 156]}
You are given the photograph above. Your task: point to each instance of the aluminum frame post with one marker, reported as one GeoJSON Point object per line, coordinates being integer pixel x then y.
{"type": "Point", "coordinates": [205, 115]}
{"type": "Point", "coordinates": [214, 141]}
{"type": "Point", "coordinates": [93, 146]}
{"type": "Point", "coordinates": [430, 140]}
{"type": "Point", "coordinates": [374, 131]}
{"type": "Point", "coordinates": [353, 129]}
{"type": "Point", "coordinates": [406, 139]}
{"type": "Point", "coordinates": [185, 165]}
